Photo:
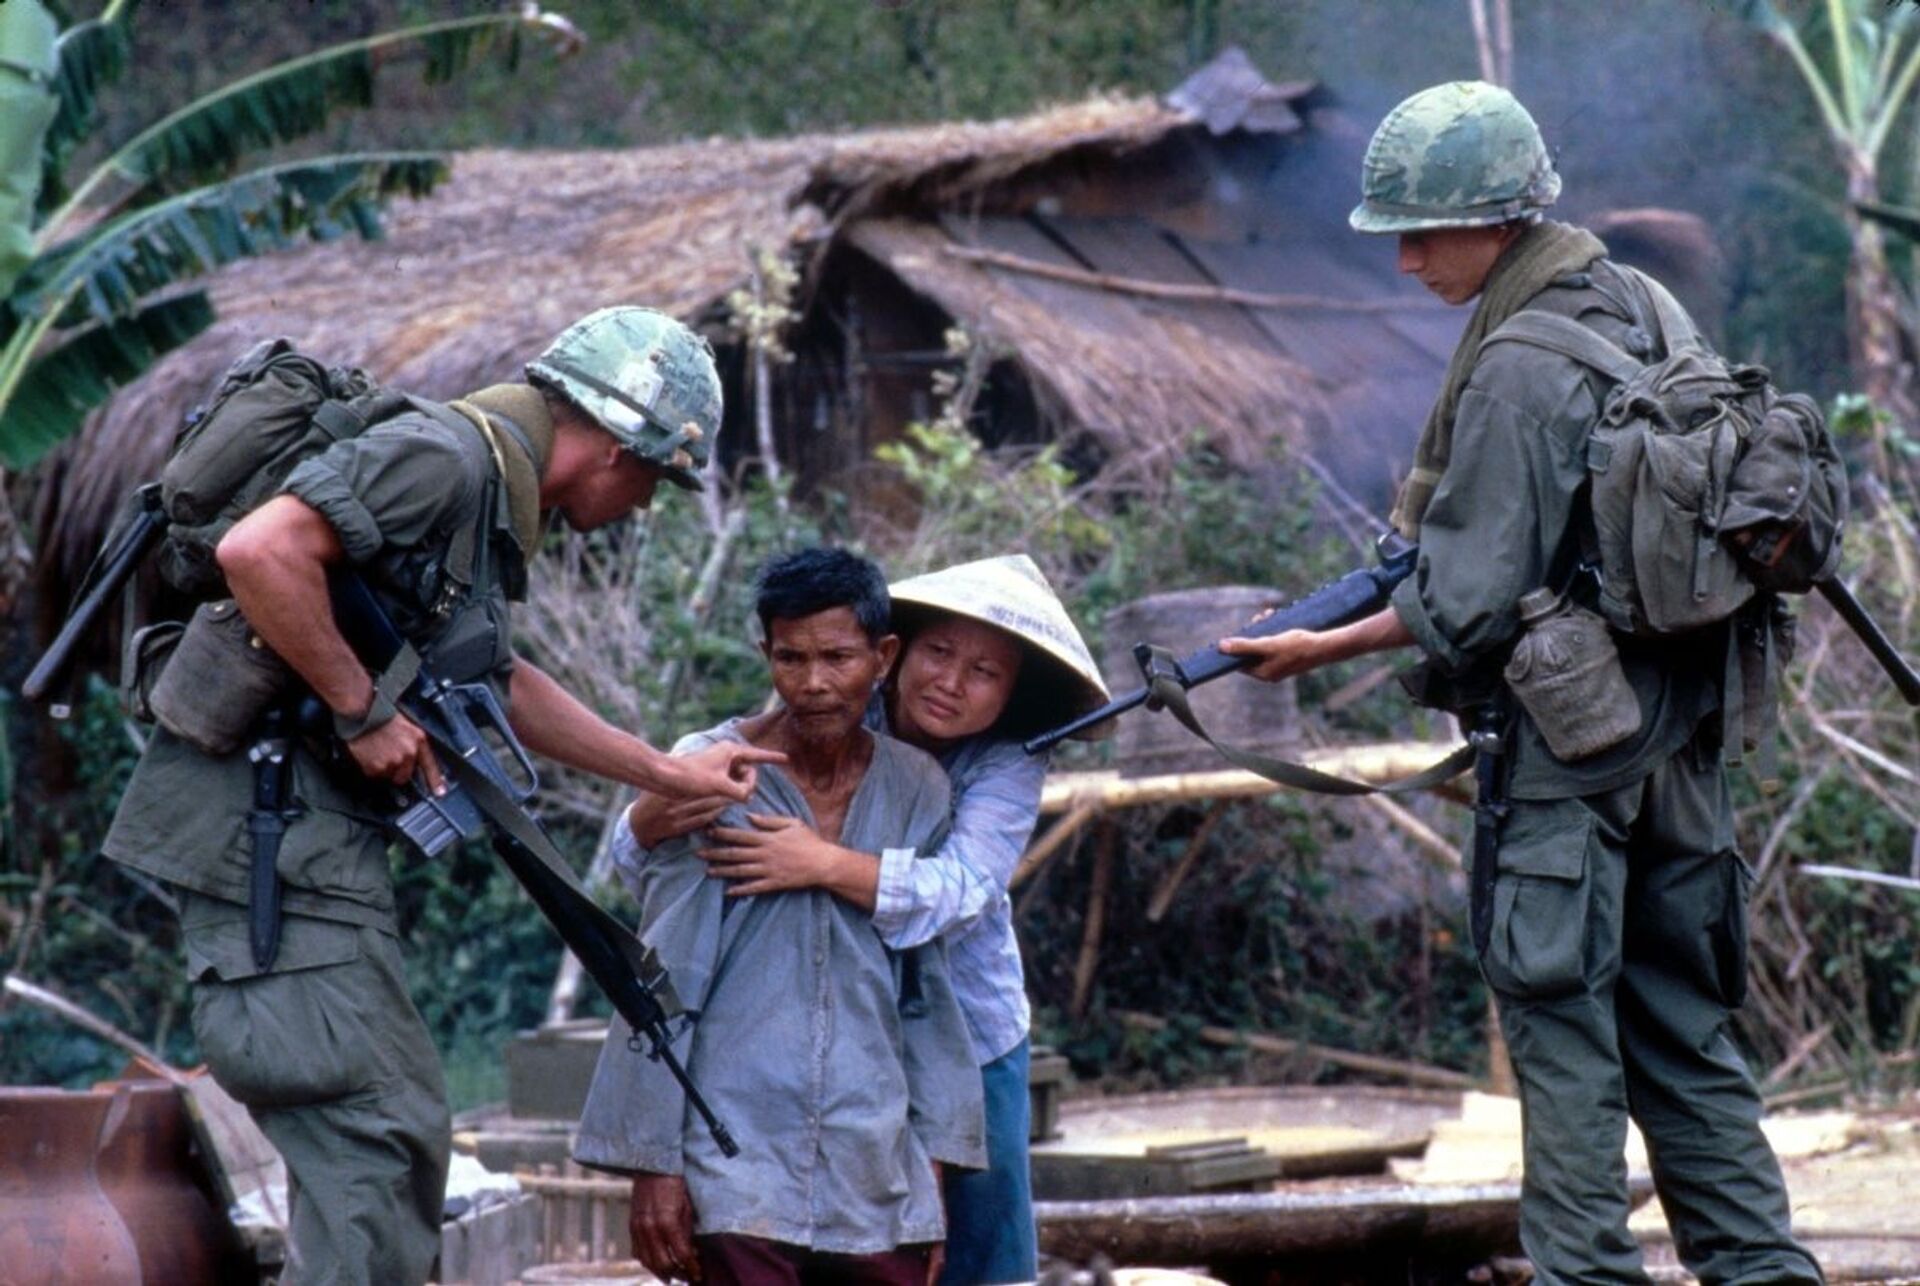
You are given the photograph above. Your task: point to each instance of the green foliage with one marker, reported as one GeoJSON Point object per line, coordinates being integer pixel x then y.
{"type": "Point", "coordinates": [166, 205]}
{"type": "Point", "coordinates": [973, 503]}
{"type": "Point", "coordinates": [1274, 932]}
{"type": "Point", "coordinates": [112, 269]}
{"type": "Point", "coordinates": [74, 921]}
{"type": "Point", "coordinates": [93, 55]}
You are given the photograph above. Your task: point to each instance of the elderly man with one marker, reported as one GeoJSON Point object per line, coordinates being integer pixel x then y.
{"type": "Point", "coordinates": [1610, 905]}
{"type": "Point", "coordinates": [844, 1067]}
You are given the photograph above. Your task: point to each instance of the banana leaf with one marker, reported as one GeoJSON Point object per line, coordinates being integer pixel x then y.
{"type": "Point", "coordinates": [63, 385]}
{"type": "Point", "coordinates": [93, 55]}
{"type": "Point", "coordinates": [210, 136]}
{"type": "Point", "coordinates": [103, 276]}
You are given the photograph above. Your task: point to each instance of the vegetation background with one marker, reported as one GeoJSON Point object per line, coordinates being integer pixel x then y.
{"type": "Point", "coordinates": [1647, 102]}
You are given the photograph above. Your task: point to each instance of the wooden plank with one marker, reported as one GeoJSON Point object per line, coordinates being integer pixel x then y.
{"type": "Point", "coordinates": [1416, 1073]}
{"type": "Point", "coordinates": [1170, 885]}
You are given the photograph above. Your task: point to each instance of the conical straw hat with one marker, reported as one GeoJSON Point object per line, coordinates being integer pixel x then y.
{"type": "Point", "coordinates": [1012, 594]}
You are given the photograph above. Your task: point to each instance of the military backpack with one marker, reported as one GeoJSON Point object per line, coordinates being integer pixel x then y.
{"type": "Point", "coordinates": [273, 408]}
{"type": "Point", "coordinates": [1707, 484]}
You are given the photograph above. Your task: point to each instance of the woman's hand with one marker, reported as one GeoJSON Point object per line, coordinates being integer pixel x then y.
{"type": "Point", "coordinates": [779, 854]}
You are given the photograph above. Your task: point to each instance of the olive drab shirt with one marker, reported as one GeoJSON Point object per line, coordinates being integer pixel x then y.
{"type": "Point", "coordinates": [421, 513]}
{"type": "Point", "coordinates": [1506, 518]}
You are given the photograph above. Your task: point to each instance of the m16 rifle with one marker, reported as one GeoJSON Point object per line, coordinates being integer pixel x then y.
{"type": "Point", "coordinates": [483, 796]}
{"type": "Point", "coordinates": [1359, 593]}
{"type": "Point", "coordinates": [1356, 595]}
{"type": "Point", "coordinates": [141, 527]}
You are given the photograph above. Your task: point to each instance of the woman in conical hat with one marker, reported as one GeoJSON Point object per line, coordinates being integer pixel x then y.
{"type": "Point", "coordinates": [990, 657]}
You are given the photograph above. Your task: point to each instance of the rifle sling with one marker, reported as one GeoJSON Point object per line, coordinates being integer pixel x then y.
{"type": "Point", "coordinates": [612, 956]}
{"type": "Point", "coordinates": [1165, 690]}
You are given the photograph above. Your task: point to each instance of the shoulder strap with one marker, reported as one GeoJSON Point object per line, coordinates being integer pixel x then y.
{"type": "Point", "coordinates": [1570, 339]}
{"type": "Point", "coordinates": [468, 560]}
{"type": "Point", "coordinates": [1677, 330]}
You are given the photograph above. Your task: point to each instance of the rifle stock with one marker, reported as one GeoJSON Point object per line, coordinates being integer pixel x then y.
{"type": "Point", "coordinates": [1358, 594]}
{"type": "Point", "coordinates": [117, 562]}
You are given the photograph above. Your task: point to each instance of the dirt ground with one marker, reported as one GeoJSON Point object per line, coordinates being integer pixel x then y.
{"type": "Point", "coordinates": [1856, 1206]}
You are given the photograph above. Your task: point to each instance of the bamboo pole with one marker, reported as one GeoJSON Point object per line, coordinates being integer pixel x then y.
{"type": "Point", "coordinates": [1174, 290]}
{"type": "Point", "coordinates": [1163, 896]}
{"type": "Point", "coordinates": [1424, 837]}
{"type": "Point", "coordinates": [1370, 763]}
{"type": "Point", "coordinates": [1089, 962]}
{"type": "Point", "coordinates": [1483, 41]}
{"type": "Point", "coordinates": [763, 395]}
{"type": "Point", "coordinates": [1227, 1037]}
{"type": "Point", "coordinates": [94, 1025]}
{"type": "Point", "coordinates": [1047, 845]}
{"type": "Point", "coordinates": [1503, 42]}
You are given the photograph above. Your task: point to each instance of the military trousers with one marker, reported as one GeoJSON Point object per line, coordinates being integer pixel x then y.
{"type": "Point", "coordinates": [336, 1066]}
{"type": "Point", "coordinates": [1617, 955]}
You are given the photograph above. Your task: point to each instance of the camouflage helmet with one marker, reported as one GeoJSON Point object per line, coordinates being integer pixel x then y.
{"type": "Point", "coordinates": [644, 378]}
{"type": "Point", "coordinates": [1461, 155]}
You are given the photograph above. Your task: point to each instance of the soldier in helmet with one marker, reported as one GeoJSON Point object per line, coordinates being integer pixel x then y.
{"type": "Point", "coordinates": [1609, 905]}
{"type": "Point", "coordinates": [441, 514]}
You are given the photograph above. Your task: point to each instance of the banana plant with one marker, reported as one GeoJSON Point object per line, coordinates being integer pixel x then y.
{"type": "Point", "coordinates": [1860, 62]}
{"type": "Point", "coordinates": [106, 287]}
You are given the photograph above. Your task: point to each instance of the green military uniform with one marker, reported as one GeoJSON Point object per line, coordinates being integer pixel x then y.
{"type": "Point", "coordinates": [325, 1047]}
{"type": "Point", "coordinates": [1614, 927]}
{"type": "Point", "coordinates": [1617, 943]}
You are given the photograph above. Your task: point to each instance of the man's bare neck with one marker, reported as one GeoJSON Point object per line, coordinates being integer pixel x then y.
{"type": "Point", "coordinates": [826, 774]}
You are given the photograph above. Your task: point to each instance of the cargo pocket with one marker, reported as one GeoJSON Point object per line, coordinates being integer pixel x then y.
{"type": "Point", "coordinates": [288, 1038]}
{"type": "Point", "coordinates": [1538, 947]}
{"type": "Point", "coordinates": [1727, 933]}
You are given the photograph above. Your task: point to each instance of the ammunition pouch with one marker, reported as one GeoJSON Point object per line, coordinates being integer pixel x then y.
{"type": "Point", "coordinates": [145, 657]}
{"type": "Point", "coordinates": [219, 680]}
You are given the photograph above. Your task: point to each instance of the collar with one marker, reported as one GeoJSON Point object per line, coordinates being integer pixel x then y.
{"type": "Point", "coordinates": [519, 428]}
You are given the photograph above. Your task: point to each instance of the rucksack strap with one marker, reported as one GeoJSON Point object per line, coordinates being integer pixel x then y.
{"type": "Point", "coordinates": [1677, 330]}
{"type": "Point", "coordinates": [1569, 339]}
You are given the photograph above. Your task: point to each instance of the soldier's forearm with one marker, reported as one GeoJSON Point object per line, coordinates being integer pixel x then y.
{"type": "Point", "coordinates": [551, 721]}
{"type": "Point", "coordinates": [1381, 632]}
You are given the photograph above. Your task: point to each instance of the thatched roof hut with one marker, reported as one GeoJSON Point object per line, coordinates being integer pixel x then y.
{"type": "Point", "coordinates": [1146, 269]}
{"type": "Point", "coordinates": [468, 285]}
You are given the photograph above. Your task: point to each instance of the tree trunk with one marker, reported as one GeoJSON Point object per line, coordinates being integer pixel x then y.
{"type": "Point", "coordinates": [1873, 318]}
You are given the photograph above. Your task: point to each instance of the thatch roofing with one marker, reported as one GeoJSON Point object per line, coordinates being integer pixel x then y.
{"type": "Point", "coordinates": [468, 285]}
{"type": "Point", "coordinates": [1147, 377]}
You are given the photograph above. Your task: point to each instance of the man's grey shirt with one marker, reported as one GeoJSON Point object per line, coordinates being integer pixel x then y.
{"type": "Point", "coordinates": [843, 1068]}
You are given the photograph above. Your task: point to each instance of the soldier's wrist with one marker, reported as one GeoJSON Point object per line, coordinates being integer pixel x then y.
{"type": "Point", "coordinates": [379, 713]}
